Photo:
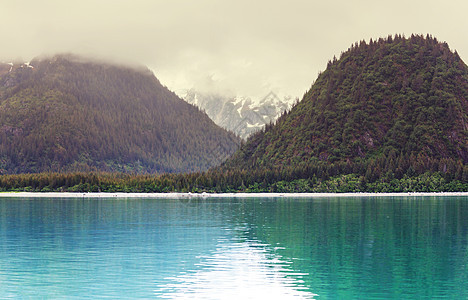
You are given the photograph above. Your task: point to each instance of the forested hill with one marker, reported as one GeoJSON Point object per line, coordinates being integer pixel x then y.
{"type": "Point", "coordinates": [67, 113]}
{"type": "Point", "coordinates": [391, 107]}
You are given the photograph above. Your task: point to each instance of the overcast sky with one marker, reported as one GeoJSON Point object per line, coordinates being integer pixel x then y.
{"type": "Point", "coordinates": [242, 46]}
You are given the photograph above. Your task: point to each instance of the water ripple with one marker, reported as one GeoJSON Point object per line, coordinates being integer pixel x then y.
{"type": "Point", "coordinates": [241, 270]}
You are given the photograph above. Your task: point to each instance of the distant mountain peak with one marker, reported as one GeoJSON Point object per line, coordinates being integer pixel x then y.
{"type": "Point", "coordinates": [239, 114]}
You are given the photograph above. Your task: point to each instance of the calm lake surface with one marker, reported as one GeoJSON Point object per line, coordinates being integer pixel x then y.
{"type": "Point", "coordinates": [214, 248]}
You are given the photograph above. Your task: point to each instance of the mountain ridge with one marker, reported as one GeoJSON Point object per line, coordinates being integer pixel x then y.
{"type": "Point", "coordinates": [395, 105]}
{"type": "Point", "coordinates": [387, 116]}
{"type": "Point", "coordinates": [68, 113]}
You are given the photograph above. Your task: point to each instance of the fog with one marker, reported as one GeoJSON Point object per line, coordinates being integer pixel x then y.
{"type": "Point", "coordinates": [242, 47]}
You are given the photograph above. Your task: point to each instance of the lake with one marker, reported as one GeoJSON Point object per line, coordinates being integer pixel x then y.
{"type": "Point", "coordinates": [233, 248]}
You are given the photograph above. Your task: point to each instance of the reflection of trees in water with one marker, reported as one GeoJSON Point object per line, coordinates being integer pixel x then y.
{"type": "Point", "coordinates": [240, 261]}
{"type": "Point", "coordinates": [380, 246]}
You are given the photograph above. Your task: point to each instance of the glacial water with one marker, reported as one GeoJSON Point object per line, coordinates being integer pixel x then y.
{"type": "Point", "coordinates": [213, 248]}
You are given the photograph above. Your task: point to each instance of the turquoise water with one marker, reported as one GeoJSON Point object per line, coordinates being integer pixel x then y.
{"type": "Point", "coordinates": [278, 248]}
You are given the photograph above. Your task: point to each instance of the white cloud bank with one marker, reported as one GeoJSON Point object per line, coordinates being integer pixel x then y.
{"type": "Point", "coordinates": [247, 47]}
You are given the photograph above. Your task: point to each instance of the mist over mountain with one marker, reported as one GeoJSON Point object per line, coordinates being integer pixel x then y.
{"type": "Point", "coordinates": [69, 113]}
{"type": "Point", "coordinates": [241, 115]}
{"type": "Point", "coordinates": [392, 107]}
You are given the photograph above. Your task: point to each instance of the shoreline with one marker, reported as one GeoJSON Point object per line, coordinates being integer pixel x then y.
{"type": "Point", "coordinates": [220, 195]}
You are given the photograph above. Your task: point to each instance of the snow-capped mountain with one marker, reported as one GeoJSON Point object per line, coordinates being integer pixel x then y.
{"type": "Point", "coordinates": [9, 67]}
{"type": "Point", "coordinates": [239, 114]}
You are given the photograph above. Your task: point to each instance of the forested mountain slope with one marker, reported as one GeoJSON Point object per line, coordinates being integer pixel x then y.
{"type": "Point", "coordinates": [67, 113]}
{"type": "Point", "coordinates": [389, 107]}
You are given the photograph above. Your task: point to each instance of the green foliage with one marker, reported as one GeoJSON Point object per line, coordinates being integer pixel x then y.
{"type": "Point", "coordinates": [396, 105]}
{"type": "Point", "coordinates": [388, 116]}
{"type": "Point", "coordinates": [211, 181]}
{"type": "Point", "coordinates": [68, 114]}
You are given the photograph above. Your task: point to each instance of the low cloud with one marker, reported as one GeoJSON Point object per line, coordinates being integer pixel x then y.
{"type": "Point", "coordinates": [244, 47]}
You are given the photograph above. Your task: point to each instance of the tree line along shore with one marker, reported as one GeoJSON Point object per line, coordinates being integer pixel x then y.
{"type": "Point", "coordinates": [267, 181]}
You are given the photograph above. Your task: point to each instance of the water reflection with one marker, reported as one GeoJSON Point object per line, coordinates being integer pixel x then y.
{"type": "Point", "coordinates": [238, 270]}
{"type": "Point", "coordinates": [98, 248]}
{"type": "Point", "coordinates": [376, 248]}
{"type": "Point", "coordinates": [280, 248]}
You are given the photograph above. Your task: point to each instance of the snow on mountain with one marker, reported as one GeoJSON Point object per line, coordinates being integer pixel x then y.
{"type": "Point", "coordinates": [10, 66]}
{"type": "Point", "coordinates": [239, 114]}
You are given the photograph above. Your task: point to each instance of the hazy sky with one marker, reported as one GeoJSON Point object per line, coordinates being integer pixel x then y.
{"type": "Point", "coordinates": [247, 47]}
